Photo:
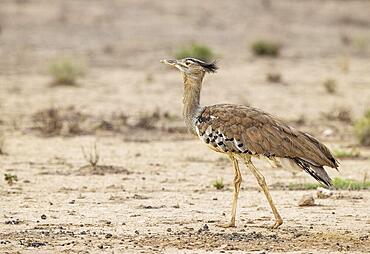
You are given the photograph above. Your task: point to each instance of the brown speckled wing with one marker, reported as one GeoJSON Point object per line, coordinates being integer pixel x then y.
{"type": "Point", "coordinates": [242, 129]}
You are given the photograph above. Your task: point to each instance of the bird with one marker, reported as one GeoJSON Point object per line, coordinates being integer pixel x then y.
{"type": "Point", "coordinates": [245, 132]}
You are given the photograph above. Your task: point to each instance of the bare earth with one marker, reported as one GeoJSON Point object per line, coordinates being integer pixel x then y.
{"type": "Point", "coordinates": [152, 189]}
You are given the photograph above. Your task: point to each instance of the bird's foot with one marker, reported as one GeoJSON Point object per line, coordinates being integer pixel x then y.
{"type": "Point", "coordinates": [277, 224]}
{"type": "Point", "coordinates": [229, 225]}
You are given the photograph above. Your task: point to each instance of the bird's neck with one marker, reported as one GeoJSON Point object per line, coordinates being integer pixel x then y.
{"type": "Point", "coordinates": [191, 102]}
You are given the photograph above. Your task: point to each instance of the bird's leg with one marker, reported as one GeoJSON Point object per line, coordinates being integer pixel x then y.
{"type": "Point", "coordinates": [262, 183]}
{"type": "Point", "coordinates": [237, 182]}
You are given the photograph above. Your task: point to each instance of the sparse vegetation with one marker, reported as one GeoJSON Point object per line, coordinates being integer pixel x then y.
{"type": "Point", "coordinates": [60, 121]}
{"type": "Point", "coordinates": [303, 186]}
{"type": "Point", "coordinates": [346, 154]}
{"type": "Point", "coordinates": [65, 72]}
{"type": "Point", "coordinates": [348, 184]}
{"type": "Point", "coordinates": [330, 86]}
{"type": "Point", "coordinates": [218, 184]}
{"type": "Point", "coordinates": [148, 120]}
{"type": "Point", "coordinates": [362, 129]}
{"type": "Point", "coordinates": [199, 51]}
{"type": "Point", "coordinates": [338, 184]}
{"type": "Point", "coordinates": [266, 48]}
{"type": "Point", "coordinates": [339, 114]}
{"type": "Point", "coordinates": [10, 179]}
{"type": "Point", "coordinates": [68, 121]}
{"type": "Point", "coordinates": [93, 157]}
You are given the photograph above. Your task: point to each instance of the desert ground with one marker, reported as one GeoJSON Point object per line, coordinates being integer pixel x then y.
{"type": "Point", "coordinates": [151, 190]}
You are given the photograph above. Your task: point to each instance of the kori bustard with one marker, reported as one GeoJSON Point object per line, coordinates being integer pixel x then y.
{"type": "Point", "coordinates": [243, 132]}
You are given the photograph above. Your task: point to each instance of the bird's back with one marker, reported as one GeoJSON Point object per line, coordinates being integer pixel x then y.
{"type": "Point", "coordinates": [242, 129]}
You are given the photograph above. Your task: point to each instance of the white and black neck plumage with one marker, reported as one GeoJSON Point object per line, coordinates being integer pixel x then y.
{"type": "Point", "coordinates": [191, 101]}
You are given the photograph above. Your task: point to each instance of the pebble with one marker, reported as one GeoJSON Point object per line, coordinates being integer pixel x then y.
{"type": "Point", "coordinates": [323, 193]}
{"type": "Point", "coordinates": [307, 200]}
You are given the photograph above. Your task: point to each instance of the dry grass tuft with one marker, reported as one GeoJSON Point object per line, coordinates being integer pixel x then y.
{"type": "Point", "coordinates": [93, 157]}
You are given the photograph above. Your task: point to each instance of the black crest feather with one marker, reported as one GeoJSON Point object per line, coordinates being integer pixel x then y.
{"type": "Point", "coordinates": [208, 67]}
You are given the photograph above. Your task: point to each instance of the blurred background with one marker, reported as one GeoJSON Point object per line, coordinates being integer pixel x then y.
{"type": "Point", "coordinates": [297, 59]}
{"type": "Point", "coordinates": [86, 73]}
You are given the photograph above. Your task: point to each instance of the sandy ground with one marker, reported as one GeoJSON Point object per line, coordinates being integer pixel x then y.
{"type": "Point", "coordinates": [152, 189]}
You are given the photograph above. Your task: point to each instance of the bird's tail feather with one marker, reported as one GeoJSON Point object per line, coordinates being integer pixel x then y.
{"type": "Point", "coordinates": [317, 172]}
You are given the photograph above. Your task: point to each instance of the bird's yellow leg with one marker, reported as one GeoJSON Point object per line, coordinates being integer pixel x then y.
{"type": "Point", "coordinates": [237, 182]}
{"type": "Point", "coordinates": [262, 183]}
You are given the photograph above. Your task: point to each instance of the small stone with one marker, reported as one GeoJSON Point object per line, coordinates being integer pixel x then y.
{"type": "Point", "coordinates": [43, 217]}
{"type": "Point", "coordinates": [323, 193]}
{"type": "Point", "coordinates": [205, 227]}
{"type": "Point", "coordinates": [169, 229]}
{"type": "Point", "coordinates": [109, 235]}
{"type": "Point", "coordinates": [307, 200]}
{"type": "Point", "coordinates": [137, 232]}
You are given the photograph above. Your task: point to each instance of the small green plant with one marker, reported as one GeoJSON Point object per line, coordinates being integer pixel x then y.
{"type": "Point", "coordinates": [265, 48]}
{"type": "Point", "coordinates": [10, 179]}
{"type": "Point", "coordinates": [330, 86]}
{"type": "Point", "coordinates": [346, 154]}
{"type": "Point", "coordinates": [199, 51]}
{"type": "Point", "coordinates": [65, 72]}
{"type": "Point", "coordinates": [362, 129]}
{"type": "Point", "coordinates": [218, 184]}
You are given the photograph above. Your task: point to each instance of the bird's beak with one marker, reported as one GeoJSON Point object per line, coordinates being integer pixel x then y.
{"type": "Point", "coordinates": [175, 63]}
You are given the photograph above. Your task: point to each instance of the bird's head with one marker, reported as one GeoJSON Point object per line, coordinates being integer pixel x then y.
{"type": "Point", "coordinates": [192, 68]}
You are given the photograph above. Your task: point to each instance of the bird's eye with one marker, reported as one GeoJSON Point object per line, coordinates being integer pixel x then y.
{"type": "Point", "coordinates": [187, 63]}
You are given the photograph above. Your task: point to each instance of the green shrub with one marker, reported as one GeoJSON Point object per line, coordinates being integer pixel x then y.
{"type": "Point", "coordinates": [199, 51]}
{"type": "Point", "coordinates": [65, 72]}
{"type": "Point", "coordinates": [218, 184]}
{"type": "Point", "coordinates": [265, 48]}
{"type": "Point", "coordinates": [10, 179]}
{"type": "Point", "coordinates": [362, 129]}
{"type": "Point", "coordinates": [346, 154]}
{"type": "Point", "coordinates": [330, 86]}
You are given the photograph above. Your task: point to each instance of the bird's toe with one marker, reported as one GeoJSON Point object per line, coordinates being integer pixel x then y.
{"type": "Point", "coordinates": [277, 224]}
